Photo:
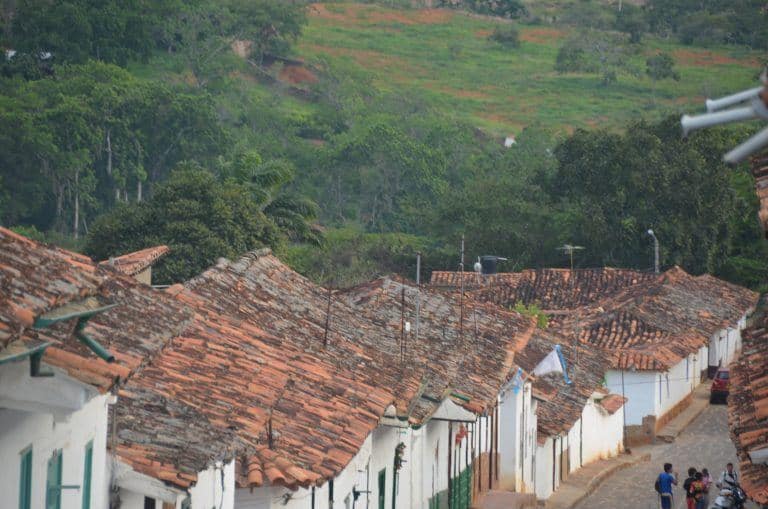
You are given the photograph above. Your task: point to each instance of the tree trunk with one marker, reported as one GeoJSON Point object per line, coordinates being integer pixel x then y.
{"type": "Point", "coordinates": [117, 194]}
{"type": "Point", "coordinates": [138, 191]}
{"type": "Point", "coordinates": [109, 155]}
{"type": "Point", "coordinates": [76, 229]}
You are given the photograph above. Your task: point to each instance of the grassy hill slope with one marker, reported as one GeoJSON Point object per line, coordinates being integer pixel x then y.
{"type": "Point", "coordinates": [445, 58]}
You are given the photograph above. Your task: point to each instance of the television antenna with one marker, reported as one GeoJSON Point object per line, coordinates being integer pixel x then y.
{"type": "Point", "coordinates": [569, 249]}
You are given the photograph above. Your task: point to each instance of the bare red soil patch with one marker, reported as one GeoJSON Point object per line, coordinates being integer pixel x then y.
{"type": "Point", "coordinates": [369, 15]}
{"type": "Point", "coordinates": [542, 35]}
{"type": "Point", "coordinates": [705, 58]}
{"type": "Point", "coordinates": [297, 75]}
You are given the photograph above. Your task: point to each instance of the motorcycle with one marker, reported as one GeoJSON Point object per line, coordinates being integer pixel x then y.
{"type": "Point", "coordinates": [732, 497]}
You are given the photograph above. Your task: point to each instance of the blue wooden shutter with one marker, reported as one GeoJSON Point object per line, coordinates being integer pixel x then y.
{"type": "Point", "coordinates": [53, 482]}
{"type": "Point", "coordinates": [25, 479]}
{"type": "Point", "coordinates": [87, 472]}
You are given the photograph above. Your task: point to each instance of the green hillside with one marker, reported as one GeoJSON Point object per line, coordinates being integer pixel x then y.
{"type": "Point", "coordinates": [446, 58]}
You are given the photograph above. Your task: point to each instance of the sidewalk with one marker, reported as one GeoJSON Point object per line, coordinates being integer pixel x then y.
{"type": "Point", "coordinates": [581, 483]}
{"type": "Point", "coordinates": [498, 499]}
{"type": "Point", "coordinates": [699, 403]}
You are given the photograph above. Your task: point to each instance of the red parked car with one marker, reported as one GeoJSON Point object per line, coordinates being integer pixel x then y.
{"type": "Point", "coordinates": [719, 390]}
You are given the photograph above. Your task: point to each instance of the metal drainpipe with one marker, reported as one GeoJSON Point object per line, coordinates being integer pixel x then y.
{"type": "Point", "coordinates": [450, 463]}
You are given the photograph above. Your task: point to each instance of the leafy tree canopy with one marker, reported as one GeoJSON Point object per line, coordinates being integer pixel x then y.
{"type": "Point", "coordinates": [200, 218]}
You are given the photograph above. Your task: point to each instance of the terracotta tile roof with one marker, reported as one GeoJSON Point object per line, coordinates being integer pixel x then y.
{"type": "Point", "coordinates": [655, 325]}
{"type": "Point", "coordinates": [472, 358]}
{"type": "Point", "coordinates": [564, 403]}
{"type": "Point", "coordinates": [748, 409]}
{"type": "Point", "coordinates": [550, 289]}
{"type": "Point", "coordinates": [612, 403]}
{"type": "Point", "coordinates": [760, 172]}
{"type": "Point", "coordinates": [133, 263]}
{"type": "Point", "coordinates": [236, 380]}
{"type": "Point", "coordinates": [35, 279]}
{"type": "Point", "coordinates": [472, 280]}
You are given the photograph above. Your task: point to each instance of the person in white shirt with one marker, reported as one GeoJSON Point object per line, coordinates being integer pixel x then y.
{"type": "Point", "coordinates": [729, 478]}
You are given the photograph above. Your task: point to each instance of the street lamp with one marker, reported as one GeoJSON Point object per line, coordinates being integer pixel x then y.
{"type": "Point", "coordinates": [655, 251]}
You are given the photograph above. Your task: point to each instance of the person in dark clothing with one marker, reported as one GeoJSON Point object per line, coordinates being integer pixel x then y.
{"type": "Point", "coordinates": [690, 503]}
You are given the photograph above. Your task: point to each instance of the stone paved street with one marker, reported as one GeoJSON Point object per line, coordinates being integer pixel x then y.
{"type": "Point", "coordinates": [704, 444]}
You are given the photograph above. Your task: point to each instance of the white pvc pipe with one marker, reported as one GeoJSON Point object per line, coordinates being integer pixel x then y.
{"type": "Point", "coordinates": [693, 122]}
{"type": "Point", "coordinates": [732, 100]}
{"type": "Point", "coordinates": [749, 147]}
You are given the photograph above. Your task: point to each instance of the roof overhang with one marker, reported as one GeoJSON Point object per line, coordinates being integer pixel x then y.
{"type": "Point", "coordinates": [450, 411]}
{"type": "Point", "coordinates": [129, 479]}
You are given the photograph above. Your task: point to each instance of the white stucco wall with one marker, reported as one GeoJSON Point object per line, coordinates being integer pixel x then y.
{"type": "Point", "coordinates": [544, 468]}
{"type": "Point", "coordinates": [517, 431]}
{"type": "Point", "coordinates": [45, 433]}
{"type": "Point", "coordinates": [215, 487]}
{"type": "Point", "coordinates": [676, 384]}
{"type": "Point", "coordinates": [640, 388]}
{"type": "Point", "coordinates": [726, 343]}
{"type": "Point", "coordinates": [602, 433]}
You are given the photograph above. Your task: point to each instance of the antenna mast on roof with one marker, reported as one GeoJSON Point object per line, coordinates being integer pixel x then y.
{"type": "Point", "coordinates": [569, 249]}
{"type": "Point", "coordinates": [327, 318]}
{"type": "Point", "coordinates": [418, 292]}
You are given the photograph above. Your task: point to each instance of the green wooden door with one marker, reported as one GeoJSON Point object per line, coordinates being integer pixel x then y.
{"type": "Point", "coordinates": [25, 479]}
{"type": "Point", "coordinates": [87, 472]}
{"type": "Point", "coordinates": [461, 490]}
{"type": "Point", "coordinates": [53, 482]}
{"type": "Point", "coordinates": [382, 488]}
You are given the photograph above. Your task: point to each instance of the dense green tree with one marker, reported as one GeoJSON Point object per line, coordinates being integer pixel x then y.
{"type": "Point", "coordinates": [632, 21]}
{"type": "Point", "coordinates": [92, 135]}
{"type": "Point", "coordinates": [618, 186]}
{"type": "Point", "coordinates": [200, 218]}
{"type": "Point", "coordinates": [203, 31]}
{"type": "Point", "coordinates": [507, 36]}
{"type": "Point", "coordinates": [661, 67]}
{"type": "Point", "coordinates": [594, 52]}
{"type": "Point", "coordinates": [77, 30]}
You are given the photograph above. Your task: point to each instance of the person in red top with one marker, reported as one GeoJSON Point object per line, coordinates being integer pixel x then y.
{"type": "Point", "coordinates": [697, 491]}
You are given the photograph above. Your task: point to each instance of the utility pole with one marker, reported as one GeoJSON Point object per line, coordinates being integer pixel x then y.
{"type": "Point", "coordinates": [418, 292]}
{"type": "Point", "coordinates": [655, 251]}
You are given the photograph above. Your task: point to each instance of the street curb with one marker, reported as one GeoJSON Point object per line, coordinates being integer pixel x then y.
{"type": "Point", "coordinates": [600, 478]}
{"type": "Point", "coordinates": [670, 438]}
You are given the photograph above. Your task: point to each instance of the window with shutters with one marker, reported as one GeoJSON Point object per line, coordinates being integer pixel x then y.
{"type": "Point", "coordinates": [25, 479]}
{"type": "Point", "coordinates": [53, 481]}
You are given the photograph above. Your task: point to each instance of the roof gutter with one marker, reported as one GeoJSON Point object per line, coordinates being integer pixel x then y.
{"type": "Point", "coordinates": [42, 322]}
{"type": "Point", "coordinates": [91, 343]}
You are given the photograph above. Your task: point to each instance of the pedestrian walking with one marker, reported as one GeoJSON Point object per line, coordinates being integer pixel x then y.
{"type": "Point", "coordinates": [707, 480]}
{"type": "Point", "coordinates": [690, 503]}
{"type": "Point", "coordinates": [729, 478]}
{"type": "Point", "coordinates": [664, 484]}
{"type": "Point", "coordinates": [697, 489]}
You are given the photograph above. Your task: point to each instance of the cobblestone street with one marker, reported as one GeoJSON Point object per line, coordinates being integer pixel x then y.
{"type": "Point", "coordinates": [704, 444]}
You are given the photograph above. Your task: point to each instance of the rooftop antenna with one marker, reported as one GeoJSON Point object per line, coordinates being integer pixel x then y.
{"type": "Point", "coordinates": [752, 104]}
{"type": "Point", "coordinates": [327, 317]}
{"type": "Point", "coordinates": [569, 249]}
{"type": "Point", "coordinates": [418, 292]}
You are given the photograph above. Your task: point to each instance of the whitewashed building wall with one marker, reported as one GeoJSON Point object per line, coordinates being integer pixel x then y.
{"type": "Point", "coordinates": [61, 429]}
{"type": "Point", "coordinates": [603, 433]}
{"type": "Point", "coordinates": [517, 435]}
